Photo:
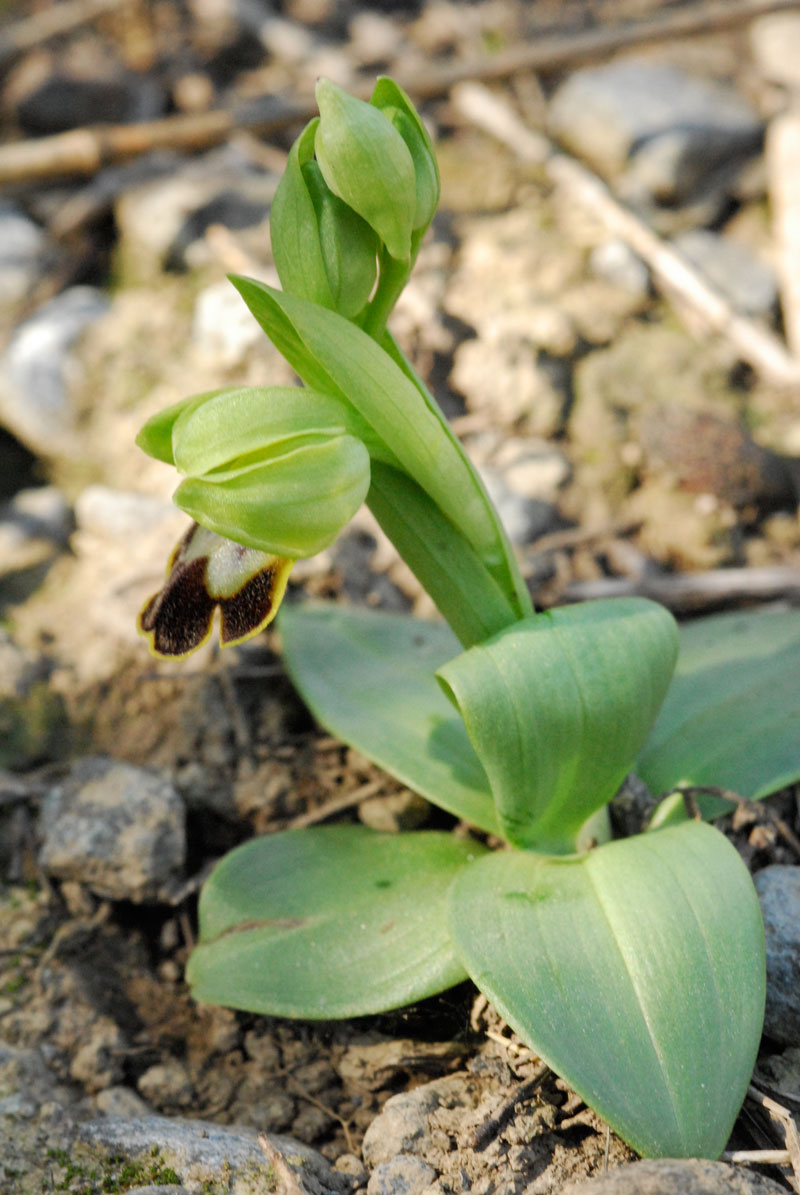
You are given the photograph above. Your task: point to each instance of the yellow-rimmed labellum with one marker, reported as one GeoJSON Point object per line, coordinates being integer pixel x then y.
{"type": "Point", "coordinates": [207, 572]}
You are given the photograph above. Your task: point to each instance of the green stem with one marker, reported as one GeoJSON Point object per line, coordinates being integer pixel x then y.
{"type": "Point", "coordinates": [392, 277]}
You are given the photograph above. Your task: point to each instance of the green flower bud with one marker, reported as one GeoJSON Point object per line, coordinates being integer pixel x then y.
{"type": "Point", "coordinates": [365, 161]}
{"type": "Point", "coordinates": [293, 503]}
{"type": "Point", "coordinates": [323, 250]}
{"type": "Point", "coordinates": [392, 101]}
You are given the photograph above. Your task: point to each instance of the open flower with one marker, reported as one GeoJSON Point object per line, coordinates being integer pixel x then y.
{"type": "Point", "coordinates": [207, 572]}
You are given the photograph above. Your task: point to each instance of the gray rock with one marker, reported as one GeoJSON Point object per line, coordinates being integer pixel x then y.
{"type": "Point", "coordinates": [404, 810]}
{"type": "Point", "coordinates": [778, 888]}
{"type": "Point", "coordinates": [35, 368]}
{"type": "Point", "coordinates": [695, 1176]}
{"type": "Point", "coordinates": [615, 262]}
{"type": "Point", "coordinates": [162, 222]}
{"type": "Point", "coordinates": [116, 514]}
{"type": "Point", "coordinates": [403, 1124]}
{"type": "Point", "coordinates": [34, 526]}
{"type": "Point", "coordinates": [160, 1189]}
{"type": "Point", "coordinates": [22, 248]}
{"type": "Point", "coordinates": [121, 1101]}
{"type": "Point", "coordinates": [223, 325]}
{"type": "Point", "coordinates": [667, 133]}
{"type": "Point", "coordinates": [750, 285]}
{"type": "Point", "coordinates": [775, 40]}
{"type": "Point", "coordinates": [201, 1152]}
{"type": "Point", "coordinates": [403, 1175]}
{"type": "Point", "coordinates": [117, 828]}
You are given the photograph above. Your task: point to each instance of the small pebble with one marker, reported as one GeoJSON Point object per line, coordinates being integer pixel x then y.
{"type": "Point", "coordinates": [118, 829]}
{"type": "Point", "coordinates": [402, 1175]}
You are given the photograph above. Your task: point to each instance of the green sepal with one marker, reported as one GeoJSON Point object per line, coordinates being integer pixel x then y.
{"type": "Point", "coordinates": [636, 972]}
{"type": "Point", "coordinates": [294, 228]}
{"type": "Point", "coordinates": [329, 922]}
{"type": "Point", "coordinates": [349, 246]}
{"type": "Point", "coordinates": [557, 716]}
{"type": "Point", "coordinates": [294, 504]}
{"type": "Point", "coordinates": [155, 437]}
{"type": "Point", "coordinates": [366, 162]}
{"type": "Point", "coordinates": [390, 98]}
{"type": "Point", "coordinates": [234, 428]}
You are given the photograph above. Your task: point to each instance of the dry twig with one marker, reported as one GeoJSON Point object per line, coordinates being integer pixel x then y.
{"type": "Point", "coordinates": [782, 1118]}
{"type": "Point", "coordinates": [549, 54]}
{"type": "Point", "coordinates": [685, 593]}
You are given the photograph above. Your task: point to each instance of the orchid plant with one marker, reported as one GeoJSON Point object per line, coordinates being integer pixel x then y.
{"type": "Point", "coordinates": [635, 967]}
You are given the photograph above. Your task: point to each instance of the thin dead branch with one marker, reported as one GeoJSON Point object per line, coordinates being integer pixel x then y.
{"type": "Point", "coordinates": [756, 1157]}
{"type": "Point", "coordinates": [491, 1127]}
{"type": "Point", "coordinates": [686, 593]}
{"type": "Point", "coordinates": [760, 811]}
{"type": "Point", "coordinates": [85, 151]}
{"type": "Point", "coordinates": [21, 36]}
{"type": "Point", "coordinates": [753, 342]}
{"type": "Point", "coordinates": [287, 1180]}
{"type": "Point", "coordinates": [784, 1121]}
{"type": "Point", "coordinates": [339, 805]}
{"type": "Point", "coordinates": [549, 54]}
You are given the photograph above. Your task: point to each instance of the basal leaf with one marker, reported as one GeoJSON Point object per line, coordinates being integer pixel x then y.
{"type": "Point", "coordinates": [368, 677]}
{"type": "Point", "coordinates": [732, 713]}
{"type": "Point", "coordinates": [335, 921]}
{"type": "Point", "coordinates": [636, 972]}
{"type": "Point", "coordinates": [558, 705]}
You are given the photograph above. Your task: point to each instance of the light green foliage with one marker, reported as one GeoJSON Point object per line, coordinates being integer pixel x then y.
{"type": "Point", "coordinates": [555, 716]}
{"type": "Point", "coordinates": [378, 939]}
{"type": "Point", "coordinates": [635, 968]}
{"type": "Point", "coordinates": [616, 968]}
{"type": "Point", "coordinates": [732, 715]}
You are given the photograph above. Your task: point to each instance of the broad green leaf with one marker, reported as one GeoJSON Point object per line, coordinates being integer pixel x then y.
{"type": "Point", "coordinates": [368, 677]}
{"type": "Point", "coordinates": [336, 921]}
{"type": "Point", "coordinates": [731, 716]}
{"type": "Point", "coordinates": [558, 705]}
{"type": "Point", "coordinates": [367, 164]}
{"type": "Point", "coordinates": [448, 567]}
{"type": "Point", "coordinates": [636, 972]}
